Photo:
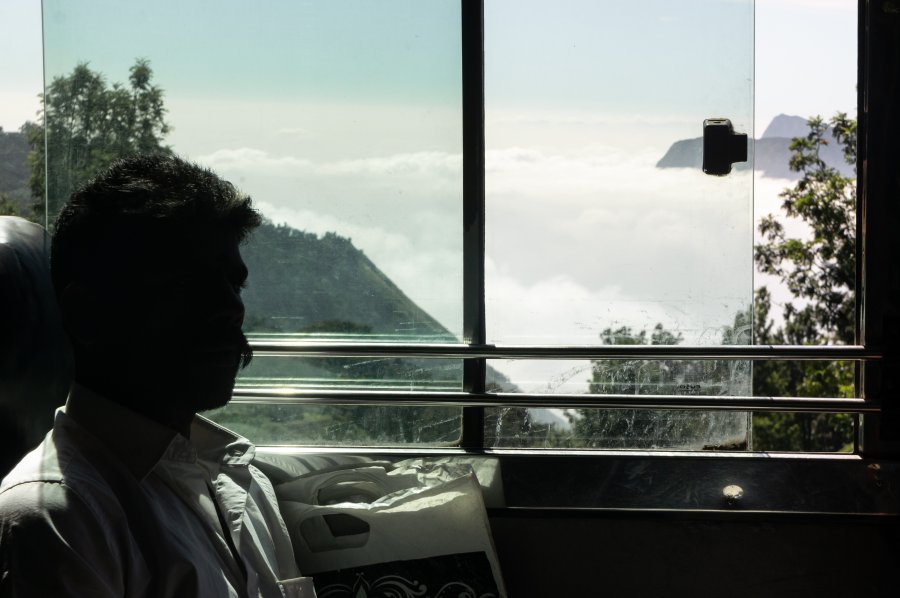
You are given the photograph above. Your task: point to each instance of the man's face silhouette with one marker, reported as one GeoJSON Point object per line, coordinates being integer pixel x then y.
{"type": "Point", "coordinates": [181, 315]}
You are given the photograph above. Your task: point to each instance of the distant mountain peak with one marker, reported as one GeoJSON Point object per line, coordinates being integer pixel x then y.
{"type": "Point", "coordinates": [771, 152]}
{"type": "Point", "coordinates": [786, 125]}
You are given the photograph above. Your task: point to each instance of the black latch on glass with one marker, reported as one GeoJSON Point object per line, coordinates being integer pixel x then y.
{"type": "Point", "coordinates": [722, 147]}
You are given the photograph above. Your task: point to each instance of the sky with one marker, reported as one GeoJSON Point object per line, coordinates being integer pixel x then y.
{"type": "Point", "coordinates": [344, 116]}
{"type": "Point", "coordinates": [805, 55]}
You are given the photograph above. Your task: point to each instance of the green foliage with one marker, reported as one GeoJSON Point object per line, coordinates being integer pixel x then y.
{"type": "Point", "coordinates": [820, 273]}
{"type": "Point", "coordinates": [88, 124]}
{"type": "Point", "coordinates": [15, 198]}
{"type": "Point", "coordinates": [633, 428]}
{"type": "Point", "coordinates": [822, 268]}
{"type": "Point", "coordinates": [300, 282]}
{"type": "Point", "coordinates": [8, 206]}
{"type": "Point", "coordinates": [636, 428]}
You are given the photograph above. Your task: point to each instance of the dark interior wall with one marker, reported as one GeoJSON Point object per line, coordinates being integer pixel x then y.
{"type": "Point", "coordinates": [558, 555]}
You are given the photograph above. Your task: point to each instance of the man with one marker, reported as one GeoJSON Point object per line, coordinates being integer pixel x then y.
{"type": "Point", "coordinates": [132, 493]}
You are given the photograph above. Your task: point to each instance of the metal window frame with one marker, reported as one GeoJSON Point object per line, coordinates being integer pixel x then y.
{"type": "Point", "coordinates": [878, 244]}
{"type": "Point", "coordinates": [474, 369]}
{"type": "Point", "coordinates": [878, 310]}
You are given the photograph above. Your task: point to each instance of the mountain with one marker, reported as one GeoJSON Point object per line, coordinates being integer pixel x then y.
{"type": "Point", "coordinates": [302, 282]}
{"type": "Point", "coordinates": [688, 153]}
{"type": "Point", "coordinates": [771, 152]}
{"type": "Point", "coordinates": [787, 126]}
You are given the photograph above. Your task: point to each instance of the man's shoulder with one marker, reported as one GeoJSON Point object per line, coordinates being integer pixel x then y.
{"type": "Point", "coordinates": [36, 493]}
{"type": "Point", "coordinates": [34, 499]}
{"type": "Point", "coordinates": [55, 540]}
{"type": "Point", "coordinates": [43, 464]}
{"type": "Point", "coordinates": [54, 475]}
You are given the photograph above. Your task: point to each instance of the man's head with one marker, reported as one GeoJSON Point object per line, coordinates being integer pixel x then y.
{"type": "Point", "coordinates": [146, 267]}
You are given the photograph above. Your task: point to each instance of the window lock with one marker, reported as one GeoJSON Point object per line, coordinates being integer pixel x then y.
{"type": "Point", "coordinates": [722, 147]}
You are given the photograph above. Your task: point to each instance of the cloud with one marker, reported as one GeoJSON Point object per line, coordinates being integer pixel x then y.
{"type": "Point", "coordinates": [606, 218]}
{"type": "Point", "coordinates": [419, 163]}
{"type": "Point", "coordinates": [248, 159]}
{"type": "Point", "coordinates": [562, 311]}
{"type": "Point", "coordinates": [251, 159]}
{"type": "Point", "coordinates": [576, 242]}
{"type": "Point", "coordinates": [398, 192]}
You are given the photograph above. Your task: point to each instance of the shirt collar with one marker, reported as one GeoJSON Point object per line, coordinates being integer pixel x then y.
{"type": "Point", "coordinates": [220, 445]}
{"type": "Point", "coordinates": [140, 443]}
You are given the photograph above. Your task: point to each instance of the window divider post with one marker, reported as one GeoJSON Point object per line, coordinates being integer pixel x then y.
{"type": "Point", "coordinates": [474, 370]}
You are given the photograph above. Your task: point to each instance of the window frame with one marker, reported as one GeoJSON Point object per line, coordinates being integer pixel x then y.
{"type": "Point", "coordinates": [878, 310]}
{"type": "Point", "coordinates": [474, 351]}
{"type": "Point", "coordinates": [833, 485]}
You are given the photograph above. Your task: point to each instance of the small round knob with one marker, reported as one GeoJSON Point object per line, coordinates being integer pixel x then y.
{"type": "Point", "coordinates": [732, 493]}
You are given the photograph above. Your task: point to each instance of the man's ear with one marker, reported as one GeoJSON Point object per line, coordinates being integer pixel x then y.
{"type": "Point", "coordinates": [83, 314]}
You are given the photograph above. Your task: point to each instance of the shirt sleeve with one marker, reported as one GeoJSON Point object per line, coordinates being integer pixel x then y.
{"type": "Point", "coordinates": [53, 544]}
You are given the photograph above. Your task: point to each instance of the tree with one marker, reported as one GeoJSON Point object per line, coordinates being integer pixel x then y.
{"type": "Point", "coordinates": [820, 273]}
{"type": "Point", "coordinates": [634, 428]}
{"type": "Point", "coordinates": [7, 206]}
{"type": "Point", "coordinates": [88, 124]}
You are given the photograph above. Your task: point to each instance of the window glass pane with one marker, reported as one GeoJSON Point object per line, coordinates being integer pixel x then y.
{"type": "Point", "coordinates": [805, 432]}
{"type": "Point", "coordinates": [601, 226]}
{"type": "Point", "coordinates": [339, 425]}
{"type": "Point", "coordinates": [353, 373]}
{"type": "Point", "coordinates": [341, 118]}
{"type": "Point", "coordinates": [628, 428]}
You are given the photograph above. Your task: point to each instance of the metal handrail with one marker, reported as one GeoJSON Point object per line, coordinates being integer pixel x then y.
{"type": "Point", "coordinates": [287, 395]}
{"type": "Point", "coordinates": [288, 347]}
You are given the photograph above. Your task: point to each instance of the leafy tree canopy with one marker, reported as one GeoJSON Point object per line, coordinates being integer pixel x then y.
{"type": "Point", "coordinates": [633, 428]}
{"type": "Point", "coordinates": [88, 124]}
{"type": "Point", "coordinates": [819, 270]}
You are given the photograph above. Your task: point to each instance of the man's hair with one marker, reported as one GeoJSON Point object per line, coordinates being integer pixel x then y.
{"type": "Point", "coordinates": [150, 199]}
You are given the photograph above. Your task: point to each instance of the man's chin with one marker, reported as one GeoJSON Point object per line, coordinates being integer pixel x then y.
{"type": "Point", "coordinates": [212, 383]}
{"type": "Point", "coordinates": [211, 392]}
{"type": "Point", "coordinates": [209, 402]}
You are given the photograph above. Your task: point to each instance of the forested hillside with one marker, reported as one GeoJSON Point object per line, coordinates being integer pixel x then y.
{"type": "Point", "coordinates": [14, 194]}
{"type": "Point", "coordinates": [300, 282]}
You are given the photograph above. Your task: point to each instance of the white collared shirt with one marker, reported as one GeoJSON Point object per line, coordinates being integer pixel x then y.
{"type": "Point", "coordinates": [114, 504]}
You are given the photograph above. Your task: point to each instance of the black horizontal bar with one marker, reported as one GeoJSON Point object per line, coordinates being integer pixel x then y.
{"type": "Point", "coordinates": [270, 346]}
{"type": "Point", "coordinates": [268, 395]}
